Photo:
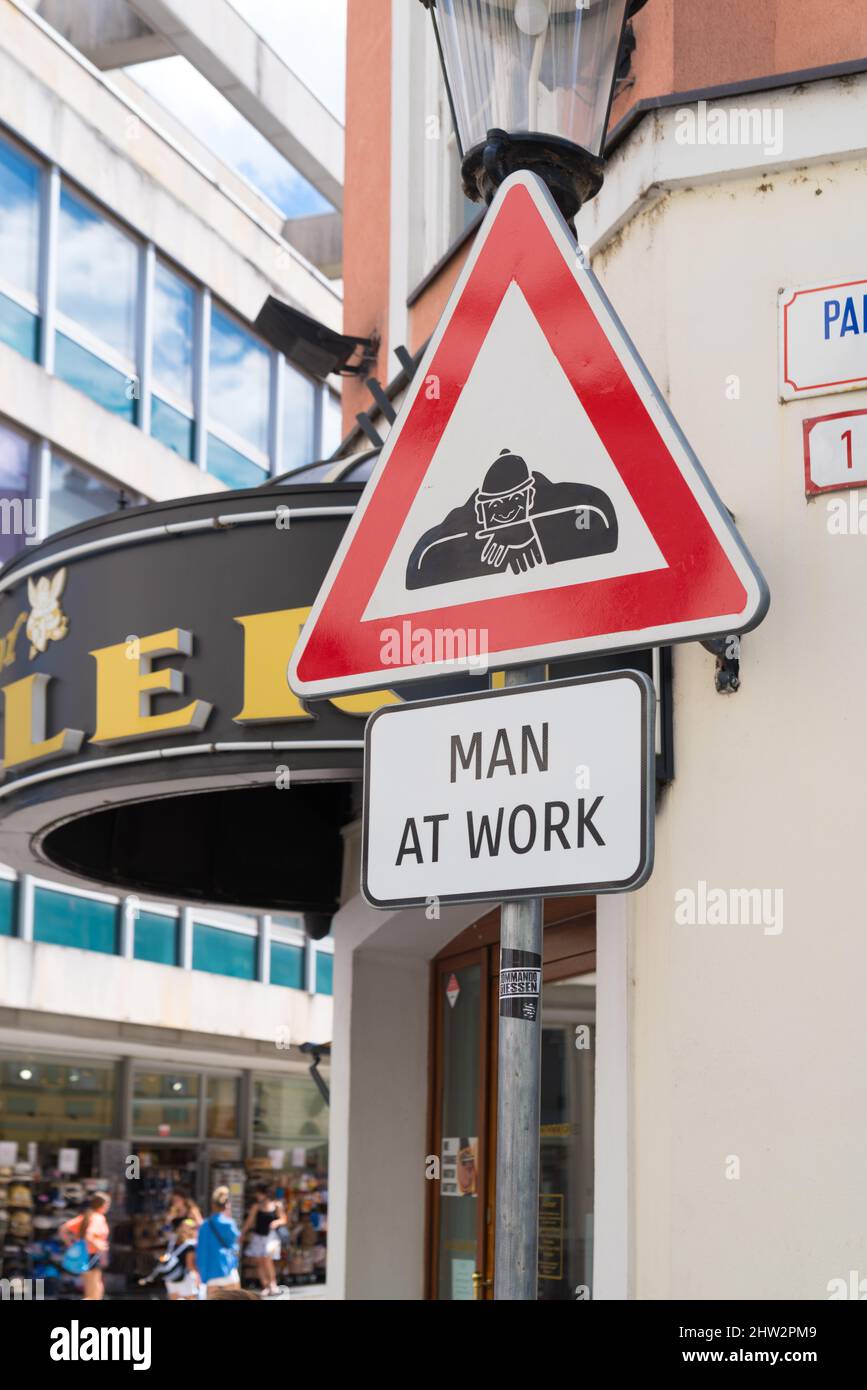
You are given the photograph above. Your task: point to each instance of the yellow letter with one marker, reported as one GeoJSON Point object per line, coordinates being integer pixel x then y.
{"type": "Point", "coordinates": [124, 689]}
{"type": "Point", "coordinates": [25, 740]}
{"type": "Point", "coordinates": [268, 642]}
{"type": "Point", "coordinates": [366, 702]}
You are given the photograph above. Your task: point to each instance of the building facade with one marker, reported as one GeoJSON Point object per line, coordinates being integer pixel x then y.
{"type": "Point", "coordinates": [133, 264]}
{"type": "Point", "coordinates": [701, 1069]}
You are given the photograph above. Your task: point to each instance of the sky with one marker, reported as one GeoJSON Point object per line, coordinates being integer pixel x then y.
{"type": "Point", "coordinates": [310, 37]}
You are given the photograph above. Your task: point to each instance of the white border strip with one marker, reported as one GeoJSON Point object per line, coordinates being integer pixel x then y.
{"type": "Point", "coordinates": [172, 528]}
{"type": "Point", "coordinates": [85, 765]}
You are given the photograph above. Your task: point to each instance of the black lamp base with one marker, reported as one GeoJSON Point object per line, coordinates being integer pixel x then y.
{"type": "Point", "coordinates": [572, 174]}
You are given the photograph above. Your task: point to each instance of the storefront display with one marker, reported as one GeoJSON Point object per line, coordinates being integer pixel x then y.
{"type": "Point", "coordinates": [62, 1128]}
{"type": "Point", "coordinates": [290, 1153]}
{"type": "Point", "coordinates": [304, 1237]}
{"type": "Point", "coordinates": [34, 1205]}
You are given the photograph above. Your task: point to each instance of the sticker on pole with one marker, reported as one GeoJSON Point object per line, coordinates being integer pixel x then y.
{"type": "Point", "coordinates": [520, 984]}
{"type": "Point", "coordinates": [535, 498]}
{"type": "Point", "coordinates": [515, 793]}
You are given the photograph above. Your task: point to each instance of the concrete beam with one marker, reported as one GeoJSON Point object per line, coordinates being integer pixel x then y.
{"type": "Point", "coordinates": [105, 31]}
{"type": "Point", "coordinates": [319, 239]}
{"type": "Point", "coordinates": [235, 60]}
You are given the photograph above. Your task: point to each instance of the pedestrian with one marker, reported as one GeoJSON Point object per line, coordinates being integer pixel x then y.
{"type": "Point", "coordinates": [181, 1208]}
{"type": "Point", "coordinates": [86, 1238]}
{"type": "Point", "coordinates": [177, 1267]}
{"type": "Point", "coordinates": [263, 1219]}
{"type": "Point", "coordinates": [217, 1245]}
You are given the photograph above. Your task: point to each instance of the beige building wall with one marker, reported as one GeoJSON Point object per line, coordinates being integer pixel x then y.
{"type": "Point", "coordinates": [747, 1041]}
{"type": "Point", "coordinates": [731, 1083]}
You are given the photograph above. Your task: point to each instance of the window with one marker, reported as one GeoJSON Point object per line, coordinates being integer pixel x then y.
{"type": "Point", "coordinates": [19, 250]}
{"type": "Point", "coordinates": [52, 1098]}
{"type": "Point", "coordinates": [223, 952]}
{"type": "Point", "coordinates": [332, 422]}
{"type": "Point", "coordinates": [438, 209]}
{"type": "Point", "coordinates": [221, 1107]}
{"type": "Point", "coordinates": [7, 907]}
{"type": "Point", "coordinates": [231, 467]}
{"type": "Point", "coordinates": [64, 919]}
{"type": "Point", "coordinates": [287, 965]}
{"type": "Point", "coordinates": [155, 938]}
{"type": "Point", "coordinates": [239, 387]}
{"type": "Point", "coordinates": [299, 415]}
{"type": "Point", "coordinates": [361, 471]}
{"type": "Point", "coordinates": [290, 1113]}
{"type": "Point", "coordinates": [324, 973]}
{"type": "Point", "coordinates": [76, 495]}
{"type": "Point", "coordinates": [97, 297]}
{"type": "Point", "coordinates": [18, 518]}
{"type": "Point", "coordinates": [165, 1104]}
{"type": "Point", "coordinates": [174, 314]}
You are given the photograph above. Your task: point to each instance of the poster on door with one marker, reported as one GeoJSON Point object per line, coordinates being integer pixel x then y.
{"type": "Point", "coordinates": [459, 1167]}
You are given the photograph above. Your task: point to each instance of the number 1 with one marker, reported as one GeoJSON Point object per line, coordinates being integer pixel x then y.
{"type": "Point", "coordinates": [847, 435]}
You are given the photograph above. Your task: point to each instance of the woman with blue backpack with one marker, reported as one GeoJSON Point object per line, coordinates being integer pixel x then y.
{"type": "Point", "coordinates": [86, 1237]}
{"type": "Point", "coordinates": [217, 1245]}
{"type": "Point", "coordinates": [177, 1267]}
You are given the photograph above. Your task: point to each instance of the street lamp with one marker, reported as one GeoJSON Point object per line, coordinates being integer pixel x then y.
{"type": "Point", "coordinates": [530, 84]}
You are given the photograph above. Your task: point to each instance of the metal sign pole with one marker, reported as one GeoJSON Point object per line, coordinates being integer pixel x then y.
{"type": "Point", "coordinates": [519, 1084]}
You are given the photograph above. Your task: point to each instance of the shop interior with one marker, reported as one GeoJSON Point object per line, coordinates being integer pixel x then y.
{"type": "Point", "coordinates": [61, 1125]}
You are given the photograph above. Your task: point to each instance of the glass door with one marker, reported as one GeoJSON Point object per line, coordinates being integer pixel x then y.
{"type": "Point", "coordinates": [457, 1177]}
{"type": "Point", "coordinates": [462, 1164]}
{"type": "Point", "coordinates": [566, 1140]}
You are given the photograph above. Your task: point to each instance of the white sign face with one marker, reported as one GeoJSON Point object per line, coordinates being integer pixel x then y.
{"type": "Point", "coordinates": [515, 793]}
{"type": "Point", "coordinates": [823, 339]}
{"type": "Point", "coordinates": [835, 451]}
{"type": "Point", "coordinates": [534, 499]}
{"type": "Point", "coordinates": [555, 433]}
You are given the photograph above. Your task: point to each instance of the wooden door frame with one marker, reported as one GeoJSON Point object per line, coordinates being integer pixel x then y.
{"type": "Point", "coordinates": [569, 944]}
{"type": "Point", "coordinates": [441, 965]}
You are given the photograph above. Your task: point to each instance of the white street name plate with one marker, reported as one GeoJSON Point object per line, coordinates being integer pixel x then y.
{"type": "Point", "coordinates": [527, 791]}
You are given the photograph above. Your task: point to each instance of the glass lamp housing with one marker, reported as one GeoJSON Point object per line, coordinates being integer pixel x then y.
{"type": "Point", "coordinates": [530, 67]}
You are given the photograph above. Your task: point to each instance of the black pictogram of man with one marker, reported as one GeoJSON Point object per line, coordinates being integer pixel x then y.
{"type": "Point", "coordinates": [514, 522]}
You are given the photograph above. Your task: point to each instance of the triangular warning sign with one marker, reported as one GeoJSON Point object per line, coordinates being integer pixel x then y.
{"type": "Point", "coordinates": [535, 497]}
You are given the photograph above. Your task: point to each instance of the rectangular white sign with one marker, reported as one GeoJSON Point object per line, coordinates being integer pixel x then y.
{"type": "Point", "coordinates": [515, 793]}
{"type": "Point", "coordinates": [823, 339]}
{"type": "Point", "coordinates": [835, 451]}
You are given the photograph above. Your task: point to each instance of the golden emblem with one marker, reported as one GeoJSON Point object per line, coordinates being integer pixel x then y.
{"type": "Point", "coordinates": [47, 621]}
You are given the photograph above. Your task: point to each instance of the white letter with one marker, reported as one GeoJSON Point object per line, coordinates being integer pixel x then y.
{"type": "Point", "coordinates": [143, 1357]}
{"type": "Point", "coordinates": [60, 1344]}
{"type": "Point", "coordinates": [774, 922]}
{"type": "Point", "coordinates": [684, 913]}
{"type": "Point", "coordinates": [685, 127]}
{"type": "Point", "coordinates": [836, 508]}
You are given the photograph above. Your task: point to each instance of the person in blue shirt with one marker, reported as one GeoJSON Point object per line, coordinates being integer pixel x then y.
{"type": "Point", "coordinates": [217, 1245]}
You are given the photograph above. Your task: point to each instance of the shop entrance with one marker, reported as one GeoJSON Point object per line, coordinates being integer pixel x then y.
{"type": "Point", "coordinates": [463, 1107]}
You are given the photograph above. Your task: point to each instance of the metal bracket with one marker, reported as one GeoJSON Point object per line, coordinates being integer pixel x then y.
{"type": "Point", "coordinates": [727, 650]}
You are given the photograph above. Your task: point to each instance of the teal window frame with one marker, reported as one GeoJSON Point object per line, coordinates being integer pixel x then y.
{"type": "Point", "coordinates": [156, 938]}
{"type": "Point", "coordinates": [8, 906]}
{"type": "Point", "coordinates": [223, 951]}
{"type": "Point", "coordinates": [232, 467]}
{"type": "Point", "coordinates": [91, 926]}
{"type": "Point", "coordinates": [94, 377]}
{"type": "Point", "coordinates": [19, 328]}
{"type": "Point", "coordinates": [324, 973]}
{"type": "Point", "coordinates": [21, 182]}
{"type": "Point", "coordinates": [287, 964]}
